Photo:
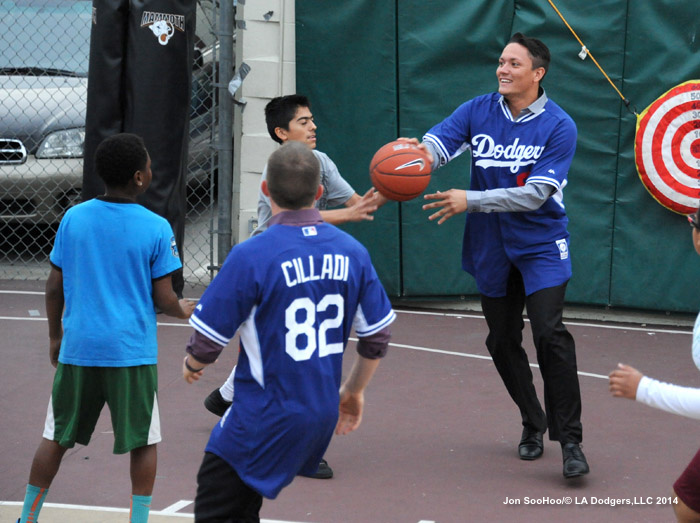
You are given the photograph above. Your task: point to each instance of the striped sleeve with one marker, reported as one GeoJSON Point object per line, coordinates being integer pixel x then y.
{"type": "Point", "coordinates": [207, 331]}
{"type": "Point", "coordinates": [363, 328]}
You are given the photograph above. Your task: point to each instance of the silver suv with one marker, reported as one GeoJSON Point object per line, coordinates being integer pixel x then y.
{"type": "Point", "coordinates": [44, 55]}
{"type": "Point", "coordinates": [44, 49]}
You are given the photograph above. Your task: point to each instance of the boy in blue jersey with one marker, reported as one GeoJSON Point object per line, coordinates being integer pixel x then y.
{"type": "Point", "coordinates": [293, 294]}
{"type": "Point", "coordinates": [111, 264]}
{"type": "Point", "coordinates": [516, 244]}
{"type": "Point", "coordinates": [289, 119]}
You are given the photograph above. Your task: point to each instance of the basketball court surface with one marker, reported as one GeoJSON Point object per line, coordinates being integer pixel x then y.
{"type": "Point", "coordinates": [437, 443]}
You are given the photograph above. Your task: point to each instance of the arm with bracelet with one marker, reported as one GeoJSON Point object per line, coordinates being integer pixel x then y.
{"type": "Point", "coordinates": [201, 352]}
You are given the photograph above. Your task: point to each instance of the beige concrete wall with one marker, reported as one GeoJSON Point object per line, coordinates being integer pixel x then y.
{"type": "Point", "coordinates": [267, 45]}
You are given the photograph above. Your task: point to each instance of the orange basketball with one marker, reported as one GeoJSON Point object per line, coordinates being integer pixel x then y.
{"type": "Point", "coordinates": [400, 170]}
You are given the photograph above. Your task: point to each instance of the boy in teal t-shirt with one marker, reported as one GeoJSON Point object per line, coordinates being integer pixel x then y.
{"type": "Point", "coordinates": [111, 265]}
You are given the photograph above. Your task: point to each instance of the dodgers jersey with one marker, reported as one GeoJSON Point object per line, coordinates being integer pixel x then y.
{"type": "Point", "coordinates": [109, 252]}
{"type": "Point", "coordinates": [538, 147]}
{"type": "Point", "coordinates": [294, 294]}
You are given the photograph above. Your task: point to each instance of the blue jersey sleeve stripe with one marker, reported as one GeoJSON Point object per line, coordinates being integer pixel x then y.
{"type": "Point", "coordinates": [544, 179]}
{"type": "Point", "coordinates": [207, 331]}
{"type": "Point", "coordinates": [368, 330]}
{"type": "Point", "coordinates": [441, 148]}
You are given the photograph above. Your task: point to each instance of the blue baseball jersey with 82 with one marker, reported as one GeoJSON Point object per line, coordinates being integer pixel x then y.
{"type": "Point", "coordinates": [294, 294]}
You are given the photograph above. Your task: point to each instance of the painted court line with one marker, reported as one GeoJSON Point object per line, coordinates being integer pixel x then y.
{"type": "Point", "coordinates": [428, 349]}
{"type": "Point", "coordinates": [475, 356]}
{"type": "Point", "coordinates": [578, 324]}
{"type": "Point", "coordinates": [66, 506]}
{"type": "Point", "coordinates": [412, 347]}
{"type": "Point", "coordinates": [400, 311]}
{"type": "Point", "coordinates": [175, 507]}
{"type": "Point", "coordinates": [164, 512]}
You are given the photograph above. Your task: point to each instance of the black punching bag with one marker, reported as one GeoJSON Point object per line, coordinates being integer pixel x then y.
{"type": "Point", "coordinates": [139, 81]}
{"type": "Point", "coordinates": [105, 97]}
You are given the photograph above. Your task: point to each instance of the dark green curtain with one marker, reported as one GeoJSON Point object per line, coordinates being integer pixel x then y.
{"type": "Point", "coordinates": [378, 70]}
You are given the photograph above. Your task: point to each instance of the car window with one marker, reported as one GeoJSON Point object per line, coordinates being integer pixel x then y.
{"type": "Point", "coordinates": [45, 36]}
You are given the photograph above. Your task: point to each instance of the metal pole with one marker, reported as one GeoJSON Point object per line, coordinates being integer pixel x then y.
{"type": "Point", "coordinates": [228, 201]}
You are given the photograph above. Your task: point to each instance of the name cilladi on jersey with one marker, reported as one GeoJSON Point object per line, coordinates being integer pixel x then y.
{"type": "Point", "coordinates": [329, 267]}
{"type": "Point", "coordinates": [487, 153]}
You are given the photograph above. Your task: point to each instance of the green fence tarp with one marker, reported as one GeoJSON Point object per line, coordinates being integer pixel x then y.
{"type": "Point", "coordinates": [378, 70]}
{"type": "Point", "coordinates": [349, 74]}
{"type": "Point", "coordinates": [654, 264]}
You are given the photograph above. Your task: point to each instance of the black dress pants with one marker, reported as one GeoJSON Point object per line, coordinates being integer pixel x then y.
{"type": "Point", "coordinates": [222, 497]}
{"type": "Point", "coordinates": [556, 356]}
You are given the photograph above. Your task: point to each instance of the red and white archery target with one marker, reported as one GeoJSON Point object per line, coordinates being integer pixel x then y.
{"type": "Point", "coordinates": [667, 148]}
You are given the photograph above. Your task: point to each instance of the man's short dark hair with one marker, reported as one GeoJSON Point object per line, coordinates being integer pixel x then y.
{"type": "Point", "coordinates": [281, 110]}
{"type": "Point", "coordinates": [293, 176]}
{"type": "Point", "coordinates": [118, 158]}
{"type": "Point", "coordinates": [537, 50]}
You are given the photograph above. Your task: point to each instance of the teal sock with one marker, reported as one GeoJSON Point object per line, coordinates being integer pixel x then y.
{"type": "Point", "coordinates": [33, 501]}
{"type": "Point", "coordinates": [140, 506]}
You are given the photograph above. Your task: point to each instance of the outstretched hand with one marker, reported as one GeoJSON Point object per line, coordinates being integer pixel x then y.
{"type": "Point", "coordinates": [624, 381]}
{"type": "Point", "coordinates": [364, 207]}
{"type": "Point", "coordinates": [450, 203]}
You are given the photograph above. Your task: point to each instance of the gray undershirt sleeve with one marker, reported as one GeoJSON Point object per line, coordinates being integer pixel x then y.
{"type": "Point", "coordinates": [436, 155]}
{"type": "Point", "coordinates": [529, 197]}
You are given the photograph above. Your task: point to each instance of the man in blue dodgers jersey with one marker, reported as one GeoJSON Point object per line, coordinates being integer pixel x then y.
{"type": "Point", "coordinates": [516, 244]}
{"type": "Point", "coordinates": [294, 293]}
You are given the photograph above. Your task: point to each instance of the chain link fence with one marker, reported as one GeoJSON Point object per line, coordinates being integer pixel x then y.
{"type": "Point", "coordinates": [44, 50]}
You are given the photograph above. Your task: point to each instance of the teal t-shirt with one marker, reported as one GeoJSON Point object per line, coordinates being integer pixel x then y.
{"type": "Point", "coordinates": [109, 253]}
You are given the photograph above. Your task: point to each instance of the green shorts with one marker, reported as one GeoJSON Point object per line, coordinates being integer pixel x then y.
{"type": "Point", "coordinates": [79, 393]}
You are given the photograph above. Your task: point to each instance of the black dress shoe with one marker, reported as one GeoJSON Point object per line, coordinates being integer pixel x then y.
{"type": "Point", "coordinates": [530, 446]}
{"type": "Point", "coordinates": [575, 463]}
{"type": "Point", "coordinates": [216, 404]}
